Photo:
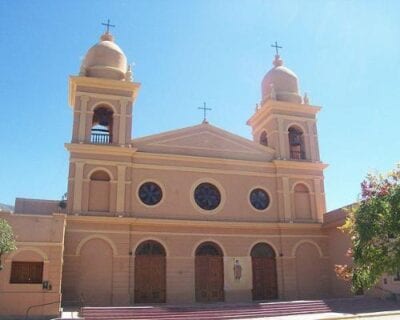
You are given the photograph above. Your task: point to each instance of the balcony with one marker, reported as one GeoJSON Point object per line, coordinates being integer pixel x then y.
{"type": "Point", "coordinates": [100, 136]}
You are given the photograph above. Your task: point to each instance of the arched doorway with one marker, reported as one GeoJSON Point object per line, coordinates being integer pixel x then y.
{"type": "Point", "coordinates": [209, 273]}
{"type": "Point", "coordinates": [150, 269]}
{"type": "Point", "coordinates": [308, 271]}
{"type": "Point", "coordinates": [264, 272]}
{"type": "Point", "coordinates": [95, 273]}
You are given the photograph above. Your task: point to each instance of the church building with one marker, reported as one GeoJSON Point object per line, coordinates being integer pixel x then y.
{"type": "Point", "coordinates": [196, 214]}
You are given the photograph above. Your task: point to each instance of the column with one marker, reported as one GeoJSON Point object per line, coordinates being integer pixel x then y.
{"type": "Point", "coordinates": [78, 182]}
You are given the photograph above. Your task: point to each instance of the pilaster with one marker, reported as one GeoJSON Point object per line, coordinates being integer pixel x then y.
{"type": "Point", "coordinates": [82, 119]}
{"type": "Point", "coordinates": [122, 121]}
{"type": "Point", "coordinates": [311, 139]}
{"type": "Point", "coordinates": [78, 183]}
{"type": "Point", "coordinates": [120, 207]}
{"type": "Point", "coordinates": [286, 199]}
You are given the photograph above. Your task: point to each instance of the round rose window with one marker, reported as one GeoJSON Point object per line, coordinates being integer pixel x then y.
{"type": "Point", "coordinates": [259, 199]}
{"type": "Point", "coordinates": [150, 193]}
{"type": "Point", "coordinates": [207, 196]}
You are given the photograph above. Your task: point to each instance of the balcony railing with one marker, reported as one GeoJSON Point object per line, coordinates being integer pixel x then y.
{"type": "Point", "coordinates": [297, 155]}
{"type": "Point", "coordinates": [100, 136]}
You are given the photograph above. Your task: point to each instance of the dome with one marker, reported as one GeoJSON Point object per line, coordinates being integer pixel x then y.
{"type": "Point", "coordinates": [280, 83]}
{"type": "Point", "coordinates": [105, 60]}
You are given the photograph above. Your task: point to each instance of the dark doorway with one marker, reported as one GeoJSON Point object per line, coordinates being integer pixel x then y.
{"type": "Point", "coordinates": [209, 273]}
{"type": "Point", "coordinates": [150, 273]}
{"type": "Point", "coordinates": [264, 272]}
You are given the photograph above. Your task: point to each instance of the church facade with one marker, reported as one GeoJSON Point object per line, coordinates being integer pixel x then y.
{"type": "Point", "coordinates": [191, 215]}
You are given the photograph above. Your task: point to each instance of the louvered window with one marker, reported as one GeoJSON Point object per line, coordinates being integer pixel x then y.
{"type": "Point", "coordinates": [26, 272]}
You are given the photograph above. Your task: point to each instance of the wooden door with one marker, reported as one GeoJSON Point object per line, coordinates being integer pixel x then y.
{"type": "Point", "coordinates": [264, 278]}
{"type": "Point", "coordinates": [150, 279]}
{"type": "Point", "coordinates": [209, 274]}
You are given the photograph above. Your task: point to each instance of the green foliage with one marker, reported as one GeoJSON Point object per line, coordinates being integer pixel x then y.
{"type": "Point", "coordinates": [7, 240]}
{"type": "Point", "coordinates": [374, 227]}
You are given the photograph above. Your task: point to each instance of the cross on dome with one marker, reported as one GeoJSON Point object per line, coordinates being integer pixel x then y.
{"type": "Point", "coordinates": [276, 46]}
{"type": "Point", "coordinates": [108, 25]}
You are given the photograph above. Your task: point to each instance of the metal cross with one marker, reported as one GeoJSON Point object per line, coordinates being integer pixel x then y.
{"type": "Point", "coordinates": [204, 108]}
{"type": "Point", "coordinates": [276, 47]}
{"type": "Point", "coordinates": [108, 25]}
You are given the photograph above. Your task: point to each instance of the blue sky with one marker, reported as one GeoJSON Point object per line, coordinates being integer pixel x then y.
{"type": "Point", "coordinates": [345, 53]}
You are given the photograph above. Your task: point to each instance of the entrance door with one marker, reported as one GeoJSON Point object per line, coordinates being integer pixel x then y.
{"type": "Point", "coordinates": [209, 273]}
{"type": "Point", "coordinates": [264, 272]}
{"type": "Point", "coordinates": [150, 269]}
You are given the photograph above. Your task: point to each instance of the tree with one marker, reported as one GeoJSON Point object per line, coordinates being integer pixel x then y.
{"type": "Point", "coordinates": [7, 240]}
{"type": "Point", "coordinates": [374, 227]}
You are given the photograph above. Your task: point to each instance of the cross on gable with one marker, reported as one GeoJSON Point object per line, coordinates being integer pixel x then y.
{"type": "Point", "coordinates": [108, 25]}
{"type": "Point", "coordinates": [205, 109]}
{"type": "Point", "coordinates": [276, 47]}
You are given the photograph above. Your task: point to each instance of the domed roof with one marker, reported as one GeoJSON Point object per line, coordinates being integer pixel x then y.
{"type": "Point", "coordinates": [105, 60]}
{"type": "Point", "coordinates": [280, 83]}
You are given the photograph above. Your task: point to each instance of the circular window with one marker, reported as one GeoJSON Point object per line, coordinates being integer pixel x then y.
{"type": "Point", "coordinates": [259, 199]}
{"type": "Point", "coordinates": [150, 193]}
{"type": "Point", "coordinates": [207, 196]}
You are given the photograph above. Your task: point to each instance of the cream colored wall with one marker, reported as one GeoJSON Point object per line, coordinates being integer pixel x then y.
{"type": "Point", "coordinates": [180, 242]}
{"type": "Point", "coordinates": [39, 238]}
{"type": "Point", "coordinates": [235, 181]}
{"type": "Point", "coordinates": [339, 243]}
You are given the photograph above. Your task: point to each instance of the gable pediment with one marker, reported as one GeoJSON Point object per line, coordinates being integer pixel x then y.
{"type": "Point", "coordinates": [206, 141]}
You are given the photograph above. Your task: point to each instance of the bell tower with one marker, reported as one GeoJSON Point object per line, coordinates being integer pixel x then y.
{"type": "Point", "coordinates": [283, 120]}
{"type": "Point", "coordinates": [101, 98]}
{"type": "Point", "coordinates": [286, 122]}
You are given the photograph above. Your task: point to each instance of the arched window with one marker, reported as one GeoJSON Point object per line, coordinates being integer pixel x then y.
{"type": "Point", "coordinates": [302, 207]}
{"type": "Point", "coordinates": [99, 191]}
{"type": "Point", "coordinates": [150, 248]}
{"type": "Point", "coordinates": [264, 138]}
{"type": "Point", "coordinates": [262, 250]}
{"type": "Point", "coordinates": [296, 144]}
{"type": "Point", "coordinates": [209, 249]}
{"type": "Point", "coordinates": [102, 124]}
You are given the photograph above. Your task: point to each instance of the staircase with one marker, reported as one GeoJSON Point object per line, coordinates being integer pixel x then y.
{"type": "Point", "coordinates": [209, 312]}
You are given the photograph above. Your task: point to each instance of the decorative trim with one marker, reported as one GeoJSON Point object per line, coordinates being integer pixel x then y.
{"type": "Point", "coordinates": [306, 241]}
{"type": "Point", "coordinates": [96, 236]}
{"type": "Point", "coordinates": [112, 178]}
{"type": "Point", "coordinates": [19, 250]}
{"type": "Point", "coordinates": [197, 234]}
{"type": "Point", "coordinates": [105, 103]}
{"type": "Point", "coordinates": [310, 190]}
{"type": "Point", "coordinates": [256, 225]}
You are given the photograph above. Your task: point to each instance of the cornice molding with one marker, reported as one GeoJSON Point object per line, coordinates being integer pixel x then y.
{"type": "Point", "coordinates": [131, 87]}
{"type": "Point", "coordinates": [195, 223]}
{"type": "Point", "coordinates": [277, 107]}
{"type": "Point", "coordinates": [304, 165]}
{"type": "Point", "coordinates": [108, 149]}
